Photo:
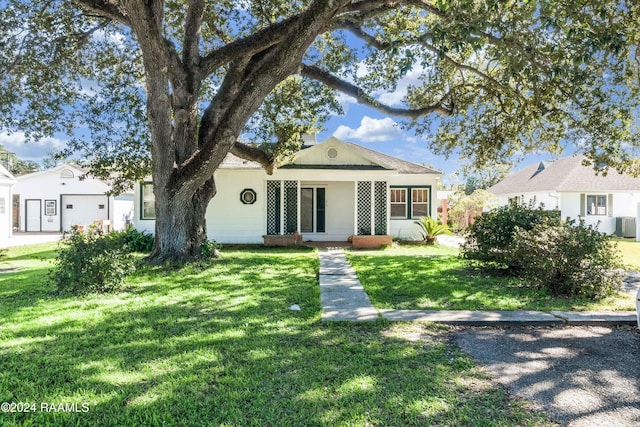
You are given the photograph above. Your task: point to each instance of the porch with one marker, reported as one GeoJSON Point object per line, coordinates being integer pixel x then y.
{"type": "Point", "coordinates": [327, 211]}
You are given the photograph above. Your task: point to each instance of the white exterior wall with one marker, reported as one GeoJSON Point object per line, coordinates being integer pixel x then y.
{"type": "Point", "coordinates": [549, 199]}
{"type": "Point", "coordinates": [6, 218]}
{"type": "Point", "coordinates": [624, 204]}
{"type": "Point", "coordinates": [231, 221]}
{"type": "Point", "coordinates": [122, 211]}
{"type": "Point", "coordinates": [406, 229]}
{"type": "Point", "coordinates": [48, 185]}
{"type": "Point", "coordinates": [228, 219]}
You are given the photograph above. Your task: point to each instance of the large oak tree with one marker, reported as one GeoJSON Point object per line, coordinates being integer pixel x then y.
{"type": "Point", "coordinates": [169, 87]}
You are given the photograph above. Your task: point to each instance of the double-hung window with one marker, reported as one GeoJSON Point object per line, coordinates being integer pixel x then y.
{"type": "Point", "coordinates": [419, 202]}
{"type": "Point", "coordinates": [596, 204]}
{"type": "Point", "coordinates": [409, 202]}
{"type": "Point", "coordinates": [398, 203]}
{"type": "Point", "coordinates": [147, 201]}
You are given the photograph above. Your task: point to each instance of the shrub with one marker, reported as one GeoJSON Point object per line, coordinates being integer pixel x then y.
{"type": "Point", "coordinates": [568, 260]}
{"type": "Point", "coordinates": [210, 249]}
{"type": "Point", "coordinates": [489, 240]}
{"type": "Point", "coordinates": [136, 241]}
{"type": "Point", "coordinates": [91, 262]}
{"type": "Point", "coordinates": [430, 228]}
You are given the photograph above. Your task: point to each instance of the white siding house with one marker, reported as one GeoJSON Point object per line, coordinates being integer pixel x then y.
{"type": "Point", "coordinates": [328, 192]}
{"type": "Point", "coordinates": [56, 199]}
{"type": "Point", "coordinates": [7, 182]}
{"type": "Point", "coordinates": [565, 184]}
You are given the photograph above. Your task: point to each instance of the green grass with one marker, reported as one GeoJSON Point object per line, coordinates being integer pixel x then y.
{"type": "Point", "coordinates": [215, 344]}
{"type": "Point", "coordinates": [630, 250]}
{"type": "Point", "coordinates": [433, 277]}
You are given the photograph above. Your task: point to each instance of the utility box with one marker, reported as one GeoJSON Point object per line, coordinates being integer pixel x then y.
{"type": "Point", "coordinates": [625, 226]}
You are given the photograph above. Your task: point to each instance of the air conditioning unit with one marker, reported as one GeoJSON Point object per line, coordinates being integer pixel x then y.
{"type": "Point", "coordinates": [625, 226]}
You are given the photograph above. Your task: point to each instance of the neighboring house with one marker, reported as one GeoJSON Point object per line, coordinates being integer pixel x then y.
{"type": "Point", "coordinates": [7, 182]}
{"type": "Point", "coordinates": [56, 199]}
{"type": "Point", "coordinates": [612, 201]}
{"type": "Point", "coordinates": [328, 192]}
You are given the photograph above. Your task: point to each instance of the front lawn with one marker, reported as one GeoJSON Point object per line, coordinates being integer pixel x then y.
{"type": "Point", "coordinates": [434, 278]}
{"type": "Point", "coordinates": [215, 344]}
{"type": "Point", "coordinates": [630, 250]}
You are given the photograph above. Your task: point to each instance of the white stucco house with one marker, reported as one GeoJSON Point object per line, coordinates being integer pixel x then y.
{"type": "Point", "coordinates": [612, 201]}
{"type": "Point", "coordinates": [7, 182]}
{"type": "Point", "coordinates": [328, 192]}
{"type": "Point", "coordinates": [56, 199]}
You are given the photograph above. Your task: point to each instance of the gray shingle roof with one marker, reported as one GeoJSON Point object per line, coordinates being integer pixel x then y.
{"type": "Point", "coordinates": [390, 162]}
{"type": "Point", "coordinates": [385, 161]}
{"type": "Point", "coordinates": [564, 174]}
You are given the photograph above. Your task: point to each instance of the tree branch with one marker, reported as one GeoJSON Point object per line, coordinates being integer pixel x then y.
{"type": "Point", "coordinates": [248, 46]}
{"type": "Point", "coordinates": [315, 73]}
{"type": "Point", "coordinates": [110, 9]}
{"type": "Point", "coordinates": [193, 27]}
{"type": "Point", "coordinates": [248, 152]}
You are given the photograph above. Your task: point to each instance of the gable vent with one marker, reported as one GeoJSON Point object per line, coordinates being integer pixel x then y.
{"type": "Point", "coordinates": [332, 153]}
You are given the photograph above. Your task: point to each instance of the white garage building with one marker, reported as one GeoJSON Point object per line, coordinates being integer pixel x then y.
{"type": "Point", "coordinates": [56, 199]}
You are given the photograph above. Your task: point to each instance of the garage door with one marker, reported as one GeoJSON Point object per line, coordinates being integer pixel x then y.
{"type": "Point", "coordinates": [83, 209]}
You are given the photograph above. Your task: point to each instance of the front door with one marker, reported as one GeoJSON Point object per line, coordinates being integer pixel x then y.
{"type": "Point", "coordinates": [33, 216]}
{"type": "Point", "coordinates": [312, 210]}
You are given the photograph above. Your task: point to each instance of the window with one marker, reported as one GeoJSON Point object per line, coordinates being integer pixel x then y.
{"type": "Point", "coordinates": [248, 196]}
{"type": "Point", "coordinates": [596, 204]}
{"type": "Point", "coordinates": [148, 201]}
{"type": "Point", "coordinates": [399, 203]}
{"type": "Point", "coordinates": [419, 202]}
{"type": "Point", "coordinates": [50, 207]}
{"type": "Point", "coordinates": [2, 206]}
{"type": "Point", "coordinates": [66, 173]}
{"type": "Point", "coordinates": [409, 202]}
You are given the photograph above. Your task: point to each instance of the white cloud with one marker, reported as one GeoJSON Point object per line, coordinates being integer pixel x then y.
{"type": "Point", "coordinates": [371, 130]}
{"type": "Point", "coordinates": [34, 150]}
{"type": "Point", "coordinates": [396, 98]}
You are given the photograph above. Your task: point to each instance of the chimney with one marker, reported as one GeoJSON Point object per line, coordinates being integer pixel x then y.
{"type": "Point", "coordinates": [310, 138]}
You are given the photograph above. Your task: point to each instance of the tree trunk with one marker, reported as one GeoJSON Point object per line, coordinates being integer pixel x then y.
{"type": "Point", "coordinates": [180, 225]}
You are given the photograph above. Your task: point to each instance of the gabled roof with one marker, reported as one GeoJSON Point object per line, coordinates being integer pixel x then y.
{"type": "Point", "coordinates": [78, 171]}
{"type": "Point", "coordinates": [564, 174]}
{"type": "Point", "coordinates": [6, 176]}
{"type": "Point", "coordinates": [360, 158]}
{"type": "Point", "coordinates": [357, 158]}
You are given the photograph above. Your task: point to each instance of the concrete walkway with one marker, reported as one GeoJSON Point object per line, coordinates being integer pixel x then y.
{"type": "Point", "coordinates": [341, 294]}
{"type": "Point", "coordinates": [343, 299]}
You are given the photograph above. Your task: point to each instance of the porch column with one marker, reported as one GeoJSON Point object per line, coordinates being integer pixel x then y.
{"type": "Point", "coordinates": [373, 208]}
{"type": "Point", "coordinates": [355, 208]}
{"type": "Point", "coordinates": [282, 208]}
{"type": "Point", "coordinates": [298, 213]}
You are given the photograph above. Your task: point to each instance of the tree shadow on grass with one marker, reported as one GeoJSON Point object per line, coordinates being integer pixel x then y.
{"type": "Point", "coordinates": [442, 282]}
{"type": "Point", "coordinates": [192, 349]}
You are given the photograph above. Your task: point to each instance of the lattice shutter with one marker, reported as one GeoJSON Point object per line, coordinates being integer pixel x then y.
{"type": "Point", "coordinates": [273, 207]}
{"type": "Point", "coordinates": [364, 208]}
{"type": "Point", "coordinates": [380, 208]}
{"type": "Point", "coordinates": [290, 206]}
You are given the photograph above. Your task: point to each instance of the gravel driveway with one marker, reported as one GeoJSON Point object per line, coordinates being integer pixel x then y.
{"type": "Point", "coordinates": [580, 376]}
